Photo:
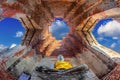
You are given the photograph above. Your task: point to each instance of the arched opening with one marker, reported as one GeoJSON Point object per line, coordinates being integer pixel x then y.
{"type": "Point", "coordinates": [11, 33]}
{"type": "Point", "coordinates": [107, 33]}
{"type": "Point", "coordinates": [59, 28]}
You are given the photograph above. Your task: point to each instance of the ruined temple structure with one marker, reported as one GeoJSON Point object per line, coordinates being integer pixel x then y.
{"type": "Point", "coordinates": [79, 47]}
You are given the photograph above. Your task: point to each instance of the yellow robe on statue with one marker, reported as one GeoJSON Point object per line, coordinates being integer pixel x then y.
{"type": "Point", "coordinates": [62, 65]}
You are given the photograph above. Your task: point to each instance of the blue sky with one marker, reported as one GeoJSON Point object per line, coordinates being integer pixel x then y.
{"type": "Point", "coordinates": [11, 32]}
{"type": "Point", "coordinates": [106, 31]}
{"type": "Point", "coordinates": [59, 28]}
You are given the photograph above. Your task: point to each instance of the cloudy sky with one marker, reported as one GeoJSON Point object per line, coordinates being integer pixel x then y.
{"type": "Point", "coordinates": [11, 32]}
{"type": "Point", "coordinates": [107, 33]}
{"type": "Point", "coordinates": [59, 29]}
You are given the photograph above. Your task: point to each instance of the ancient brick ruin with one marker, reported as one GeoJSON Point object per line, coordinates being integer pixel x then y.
{"type": "Point", "coordinates": [78, 47]}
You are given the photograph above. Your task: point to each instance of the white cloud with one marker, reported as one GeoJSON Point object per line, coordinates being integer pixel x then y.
{"type": "Point", "coordinates": [113, 45]}
{"type": "Point", "coordinates": [2, 47]}
{"type": "Point", "coordinates": [13, 45]}
{"type": "Point", "coordinates": [100, 38]}
{"type": "Point", "coordinates": [19, 34]}
{"type": "Point", "coordinates": [57, 25]}
{"type": "Point", "coordinates": [115, 38]}
{"type": "Point", "coordinates": [111, 29]}
{"type": "Point", "coordinates": [60, 23]}
{"type": "Point", "coordinates": [63, 34]}
{"type": "Point", "coordinates": [59, 29]}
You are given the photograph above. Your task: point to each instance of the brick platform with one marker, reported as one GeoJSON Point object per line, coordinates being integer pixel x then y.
{"type": "Point", "coordinates": [114, 74]}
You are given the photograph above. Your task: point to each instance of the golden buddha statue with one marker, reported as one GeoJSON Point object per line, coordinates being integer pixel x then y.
{"type": "Point", "coordinates": [61, 64]}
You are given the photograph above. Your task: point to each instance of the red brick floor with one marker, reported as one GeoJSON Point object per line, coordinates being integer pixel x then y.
{"type": "Point", "coordinates": [114, 74]}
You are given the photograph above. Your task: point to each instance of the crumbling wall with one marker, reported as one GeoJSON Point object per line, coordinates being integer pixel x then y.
{"type": "Point", "coordinates": [5, 75]}
{"type": "Point", "coordinates": [114, 74]}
